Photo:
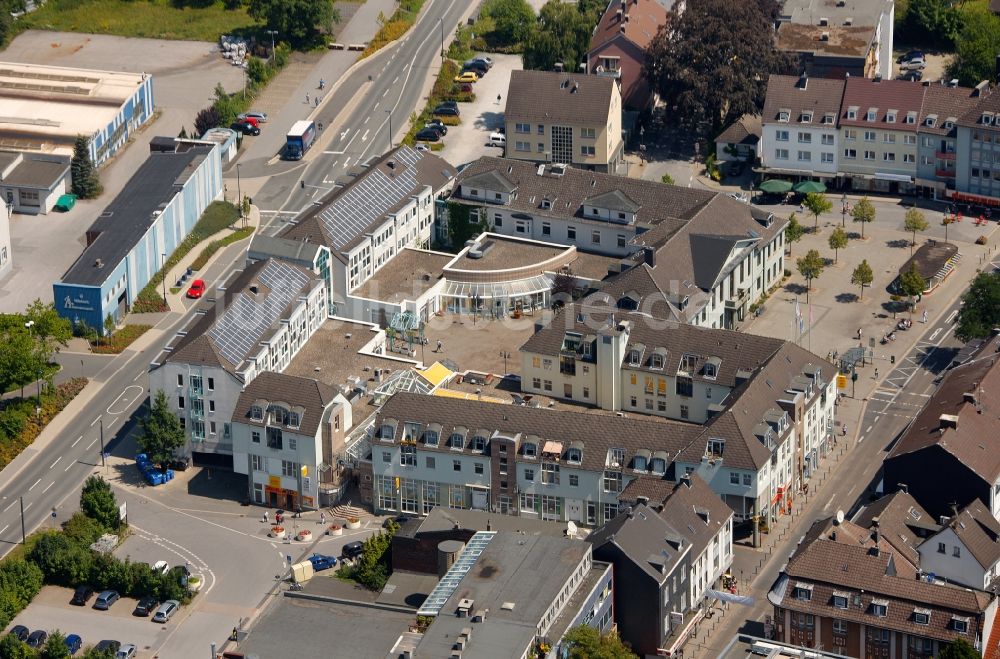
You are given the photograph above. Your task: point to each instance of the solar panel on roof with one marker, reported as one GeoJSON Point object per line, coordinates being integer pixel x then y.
{"type": "Point", "coordinates": [242, 325]}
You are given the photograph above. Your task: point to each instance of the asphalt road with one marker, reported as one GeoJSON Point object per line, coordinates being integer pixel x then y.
{"type": "Point", "coordinates": [903, 390]}
{"type": "Point", "coordinates": [382, 92]}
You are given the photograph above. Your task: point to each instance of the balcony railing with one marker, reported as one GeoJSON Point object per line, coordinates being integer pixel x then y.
{"type": "Point", "coordinates": [944, 173]}
{"type": "Point", "coordinates": [944, 155]}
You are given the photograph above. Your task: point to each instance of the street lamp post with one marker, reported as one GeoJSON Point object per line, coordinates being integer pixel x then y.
{"type": "Point", "coordinates": [272, 33]}
{"type": "Point", "coordinates": [441, 20]}
{"type": "Point", "coordinates": [102, 440]}
{"type": "Point", "coordinates": [239, 195]}
{"type": "Point", "coordinates": [24, 536]}
{"type": "Point", "coordinates": [388, 111]}
{"type": "Point", "coordinates": [28, 325]}
{"type": "Point", "coordinates": [843, 210]}
{"type": "Point", "coordinates": [505, 355]}
{"type": "Point", "coordinates": [163, 264]}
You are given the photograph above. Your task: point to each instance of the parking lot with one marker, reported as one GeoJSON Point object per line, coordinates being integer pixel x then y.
{"type": "Point", "coordinates": [51, 610]}
{"type": "Point", "coordinates": [469, 140]}
{"type": "Point", "coordinates": [184, 75]}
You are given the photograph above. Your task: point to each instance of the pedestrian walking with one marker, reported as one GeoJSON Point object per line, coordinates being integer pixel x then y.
{"type": "Point", "coordinates": [265, 517]}
{"type": "Point", "coordinates": [440, 346]}
{"type": "Point", "coordinates": [498, 99]}
{"type": "Point", "coordinates": [876, 374]}
{"type": "Point", "coordinates": [925, 315]}
{"type": "Point", "coordinates": [317, 101]}
{"type": "Point", "coordinates": [845, 430]}
{"type": "Point", "coordinates": [307, 98]}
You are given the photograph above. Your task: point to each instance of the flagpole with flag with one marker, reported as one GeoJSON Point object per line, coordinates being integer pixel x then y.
{"type": "Point", "coordinates": [798, 321]}
{"type": "Point", "coordinates": [810, 339]}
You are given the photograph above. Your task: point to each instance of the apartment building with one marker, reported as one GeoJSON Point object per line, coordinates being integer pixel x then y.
{"type": "Point", "coordinates": [255, 323]}
{"type": "Point", "coordinates": [618, 48]}
{"type": "Point", "coordinates": [799, 126]}
{"type": "Point", "coordinates": [565, 118]}
{"type": "Point", "coordinates": [706, 254]}
{"type": "Point", "coordinates": [937, 158]}
{"type": "Point", "coordinates": [977, 171]}
{"type": "Point", "coordinates": [430, 451]}
{"type": "Point", "coordinates": [369, 217]}
{"type": "Point", "coordinates": [844, 588]}
{"type": "Point", "coordinates": [767, 406]}
{"type": "Point", "coordinates": [287, 432]}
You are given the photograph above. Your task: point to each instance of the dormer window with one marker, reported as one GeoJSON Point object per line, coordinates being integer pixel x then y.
{"type": "Point", "coordinates": [852, 112]}
{"type": "Point", "coordinates": [960, 624]}
{"type": "Point", "coordinates": [478, 443]}
{"type": "Point", "coordinates": [931, 120]}
{"type": "Point", "coordinates": [839, 600]}
{"type": "Point", "coordinates": [639, 463]}
{"type": "Point", "coordinates": [634, 357]}
{"type": "Point", "coordinates": [257, 413]}
{"type": "Point", "coordinates": [711, 371]}
{"type": "Point", "coordinates": [715, 448]}
{"type": "Point", "coordinates": [529, 449]}
{"type": "Point", "coordinates": [803, 591]}
{"type": "Point", "coordinates": [657, 361]}
{"type": "Point", "coordinates": [616, 458]}
{"type": "Point", "coordinates": [546, 204]}
{"type": "Point", "coordinates": [456, 440]}
{"type": "Point", "coordinates": [293, 419]}
{"type": "Point", "coordinates": [278, 414]}
{"type": "Point", "coordinates": [890, 117]}
{"type": "Point", "coordinates": [658, 466]}
{"type": "Point", "coordinates": [574, 455]}
{"type": "Point", "coordinates": [911, 118]}
{"type": "Point", "coordinates": [872, 114]}
{"type": "Point", "coordinates": [432, 435]}
{"type": "Point", "coordinates": [783, 115]}
{"type": "Point", "coordinates": [411, 431]}
{"type": "Point", "coordinates": [922, 616]}
{"type": "Point", "coordinates": [949, 123]}
{"type": "Point", "coordinates": [828, 118]}
{"type": "Point", "coordinates": [387, 431]}
{"type": "Point", "coordinates": [807, 117]}
{"type": "Point", "coordinates": [880, 608]}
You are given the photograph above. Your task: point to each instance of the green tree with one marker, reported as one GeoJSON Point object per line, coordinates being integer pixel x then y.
{"type": "Point", "coordinates": [513, 19]}
{"type": "Point", "coordinates": [109, 325]}
{"type": "Point", "coordinates": [980, 311]}
{"type": "Point", "coordinates": [298, 21]}
{"type": "Point", "coordinates": [863, 276]}
{"type": "Point", "coordinates": [561, 35]}
{"type": "Point", "coordinates": [586, 642]}
{"type": "Point", "coordinates": [62, 561]}
{"type": "Point", "coordinates": [810, 267]}
{"type": "Point", "coordinates": [976, 47]}
{"type": "Point", "coordinates": [372, 568]}
{"type": "Point", "coordinates": [86, 182]}
{"type": "Point", "coordinates": [97, 501]}
{"type": "Point", "coordinates": [932, 23]}
{"type": "Point", "coordinates": [668, 179]}
{"type": "Point", "coordinates": [55, 647]}
{"type": "Point", "coordinates": [912, 284]}
{"type": "Point", "coordinates": [863, 212]}
{"type": "Point", "coordinates": [93, 653]}
{"type": "Point", "coordinates": [837, 241]}
{"type": "Point", "coordinates": [52, 330]}
{"type": "Point", "coordinates": [793, 232]}
{"type": "Point", "coordinates": [20, 360]}
{"type": "Point", "coordinates": [817, 203]}
{"type": "Point", "coordinates": [713, 86]}
{"type": "Point", "coordinates": [914, 222]}
{"type": "Point", "coordinates": [82, 529]}
{"type": "Point", "coordinates": [207, 119]}
{"type": "Point", "coordinates": [958, 649]}
{"type": "Point", "coordinates": [160, 432]}
{"type": "Point", "coordinates": [257, 71]}
{"type": "Point", "coordinates": [225, 105]}
{"type": "Point", "coordinates": [13, 648]}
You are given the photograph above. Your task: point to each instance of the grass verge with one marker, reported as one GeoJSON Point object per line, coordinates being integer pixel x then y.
{"type": "Point", "coordinates": [445, 88]}
{"type": "Point", "coordinates": [117, 342]}
{"type": "Point", "coordinates": [216, 245]}
{"type": "Point", "coordinates": [154, 19]}
{"type": "Point", "coordinates": [20, 425]}
{"type": "Point", "coordinates": [395, 27]}
{"type": "Point", "coordinates": [218, 216]}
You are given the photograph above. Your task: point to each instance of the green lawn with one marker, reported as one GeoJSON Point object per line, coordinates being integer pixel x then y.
{"type": "Point", "coordinates": [155, 19]}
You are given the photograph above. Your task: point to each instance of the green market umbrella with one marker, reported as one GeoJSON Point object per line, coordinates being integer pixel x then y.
{"type": "Point", "coordinates": [776, 186]}
{"type": "Point", "coordinates": [805, 187]}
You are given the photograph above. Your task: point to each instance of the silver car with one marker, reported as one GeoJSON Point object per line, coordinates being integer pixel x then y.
{"type": "Point", "coordinates": [261, 117]}
{"type": "Point", "coordinates": [166, 611]}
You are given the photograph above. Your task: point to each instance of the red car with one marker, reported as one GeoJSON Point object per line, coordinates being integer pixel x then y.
{"type": "Point", "coordinates": [197, 289]}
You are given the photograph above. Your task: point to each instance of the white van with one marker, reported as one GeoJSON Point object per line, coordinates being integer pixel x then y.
{"type": "Point", "coordinates": [497, 139]}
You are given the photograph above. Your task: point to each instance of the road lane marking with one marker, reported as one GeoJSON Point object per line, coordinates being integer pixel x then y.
{"type": "Point", "coordinates": [68, 467]}
{"type": "Point", "coordinates": [94, 422]}
{"type": "Point", "coordinates": [9, 506]}
{"type": "Point", "coordinates": [364, 138]}
{"type": "Point", "coordinates": [76, 442]}
{"type": "Point", "coordinates": [53, 465]}
{"type": "Point", "coordinates": [112, 422]}
{"type": "Point", "coordinates": [48, 486]}
{"type": "Point", "coordinates": [92, 443]}
{"type": "Point", "coordinates": [141, 373]}
{"type": "Point", "coordinates": [861, 439]}
{"type": "Point", "coordinates": [121, 397]}
{"type": "Point", "coordinates": [868, 429]}
{"type": "Point", "coordinates": [4, 529]}
{"type": "Point", "coordinates": [935, 333]}
{"type": "Point", "coordinates": [28, 506]}
{"type": "Point", "coordinates": [34, 484]}
{"type": "Point", "coordinates": [951, 316]}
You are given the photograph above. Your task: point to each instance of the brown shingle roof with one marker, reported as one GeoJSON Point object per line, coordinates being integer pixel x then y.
{"type": "Point", "coordinates": [598, 433]}
{"type": "Point", "coordinates": [817, 95]}
{"type": "Point", "coordinates": [988, 102]}
{"type": "Point", "coordinates": [745, 130]}
{"type": "Point", "coordinates": [641, 20]}
{"type": "Point", "coordinates": [948, 103]}
{"type": "Point", "coordinates": [696, 511]}
{"type": "Point", "coordinates": [970, 441]}
{"type": "Point", "coordinates": [290, 390]}
{"type": "Point", "coordinates": [903, 96]}
{"type": "Point", "coordinates": [898, 515]}
{"type": "Point", "coordinates": [568, 98]}
{"type": "Point", "coordinates": [979, 531]}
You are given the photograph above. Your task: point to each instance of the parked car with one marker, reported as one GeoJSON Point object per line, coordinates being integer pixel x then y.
{"type": "Point", "coordinates": [466, 87]}
{"type": "Point", "coordinates": [166, 611]}
{"type": "Point", "coordinates": [74, 643]}
{"type": "Point", "coordinates": [437, 125]}
{"type": "Point", "coordinates": [488, 61]}
{"type": "Point", "coordinates": [421, 147]}
{"type": "Point", "coordinates": [127, 652]}
{"type": "Point", "coordinates": [37, 638]}
{"type": "Point", "coordinates": [197, 289]}
{"type": "Point", "coordinates": [161, 567]}
{"type": "Point", "coordinates": [179, 464]}
{"type": "Point", "coordinates": [106, 599]}
{"type": "Point", "coordinates": [353, 549]}
{"type": "Point", "coordinates": [245, 128]}
{"type": "Point", "coordinates": [913, 54]}
{"type": "Point", "coordinates": [913, 76]}
{"type": "Point", "coordinates": [253, 121]}
{"type": "Point", "coordinates": [261, 117]}
{"type": "Point", "coordinates": [82, 595]}
{"type": "Point", "coordinates": [427, 135]}
{"type": "Point", "coordinates": [447, 110]}
{"type": "Point", "coordinates": [322, 562]}
{"type": "Point", "coordinates": [104, 646]}
{"type": "Point", "coordinates": [467, 76]}
{"type": "Point", "coordinates": [20, 631]}
{"type": "Point", "coordinates": [436, 129]}
{"type": "Point", "coordinates": [477, 67]}
{"type": "Point", "coordinates": [913, 64]}
{"type": "Point", "coordinates": [497, 139]}
{"type": "Point", "coordinates": [145, 606]}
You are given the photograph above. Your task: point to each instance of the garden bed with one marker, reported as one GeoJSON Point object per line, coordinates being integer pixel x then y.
{"type": "Point", "coordinates": [20, 425]}
{"type": "Point", "coordinates": [119, 341]}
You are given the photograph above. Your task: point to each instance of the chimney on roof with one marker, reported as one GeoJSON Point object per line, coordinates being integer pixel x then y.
{"type": "Point", "coordinates": [984, 86]}
{"type": "Point", "coordinates": [903, 487]}
{"type": "Point", "coordinates": [954, 509]}
{"type": "Point", "coordinates": [254, 289]}
{"type": "Point", "coordinates": [948, 421]}
{"type": "Point", "coordinates": [643, 500]}
{"type": "Point", "coordinates": [391, 164]}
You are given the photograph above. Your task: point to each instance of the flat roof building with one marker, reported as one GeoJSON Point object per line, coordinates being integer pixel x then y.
{"type": "Point", "coordinates": [47, 107]}
{"type": "Point", "coordinates": [31, 183]}
{"type": "Point", "coordinates": [150, 217]}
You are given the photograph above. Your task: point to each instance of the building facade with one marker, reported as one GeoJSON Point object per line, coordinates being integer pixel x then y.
{"type": "Point", "coordinates": [618, 48]}
{"type": "Point", "coordinates": [254, 324]}
{"type": "Point", "coordinates": [6, 250]}
{"type": "Point", "coordinates": [799, 126]}
{"type": "Point", "coordinates": [977, 147]}
{"type": "Point", "coordinates": [31, 183]}
{"type": "Point", "coordinates": [137, 232]}
{"type": "Point", "coordinates": [563, 118]}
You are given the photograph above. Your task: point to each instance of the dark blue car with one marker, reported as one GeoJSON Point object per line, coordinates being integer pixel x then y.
{"type": "Point", "coordinates": [322, 562]}
{"type": "Point", "coordinates": [74, 643]}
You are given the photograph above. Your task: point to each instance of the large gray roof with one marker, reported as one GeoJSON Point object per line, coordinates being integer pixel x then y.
{"type": "Point", "coordinates": [38, 170]}
{"type": "Point", "coordinates": [128, 217]}
{"type": "Point", "coordinates": [642, 535]}
{"type": "Point", "coordinates": [345, 216]}
{"type": "Point", "coordinates": [310, 396]}
{"type": "Point", "coordinates": [550, 97]}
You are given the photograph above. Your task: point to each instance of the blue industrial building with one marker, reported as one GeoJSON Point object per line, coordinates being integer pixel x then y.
{"type": "Point", "coordinates": [156, 210]}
